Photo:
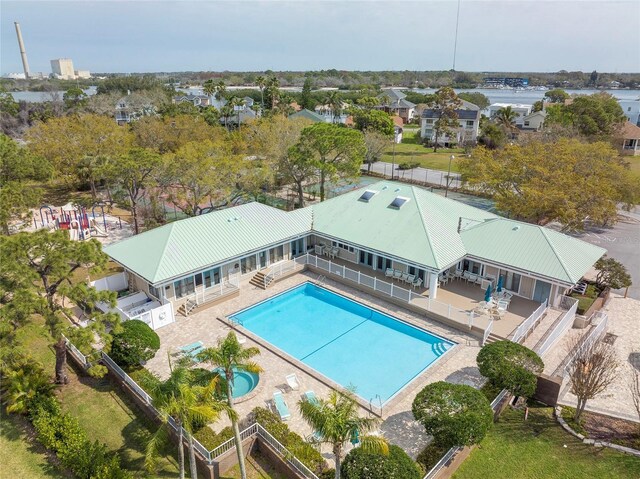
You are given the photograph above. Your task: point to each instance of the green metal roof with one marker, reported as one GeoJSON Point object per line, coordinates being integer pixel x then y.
{"type": "Point", "coordinates": [193, 244]}
{"type": "Point", "coordinates": [531, 248]}
{"type": "Point", "coordinates": [309, 115]}
{"type": "Point", "coordinates": [422, 231]}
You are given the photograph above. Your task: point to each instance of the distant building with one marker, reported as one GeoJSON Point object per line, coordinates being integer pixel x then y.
{"type": "Point", "coordinates": [520, 109]}
{"type": "Point", "coordinates": [631, 109]}
{"type": "Point", "coordinates": [326, 111]}
{"type": "Point", "coordinates": [467, 131]}
{"type": "Point", "coordinates": [83, 74]}
{"type": "Point", "coordinates": [308, 115]}
{"type": "Point", "coordinates": [630, 139]}
{"type": "Point", "coordinates": [63, 68]}
{"type": "Point", "coordinates": [514, 82]}
{"type": "Point", "coordinates": [132, 107]}
{"type": "Point", "coordinates": [534, 121]}
{"type": "Point", "coordinates": [393, 101]}
{"type": "Point", "coordinates": [195, 100]}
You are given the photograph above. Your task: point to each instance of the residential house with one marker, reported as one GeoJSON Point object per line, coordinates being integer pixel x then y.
{"type": "Point", "coordinates": [308, 115]}
{"type": "Point", "coordinates": [534, 121]}
{"type": "Point", "coordinates": [131, 107]}
{"type": "Point", "coordinates": [394, 101]}
{"type": "Point", "coordinates": [385, 226]}
{"type": "Point", "coordinates": [326, 111]}
{"type": "Point", "coordinates": [467, 131]}
{"type": "Point", "coordinates": [520, 109]}
{"type": "Point", "coordinates": [195, 100]}
{"type": "Point", "coordinates": [630, 139]}
{"type": "Point", "coordinates": [631, 109]}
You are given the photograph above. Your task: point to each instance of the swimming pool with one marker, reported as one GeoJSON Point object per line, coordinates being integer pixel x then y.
{"type": "Point", "coordinates": [347, 342]}
{"type": "Point", "coordinates": [243, 382]}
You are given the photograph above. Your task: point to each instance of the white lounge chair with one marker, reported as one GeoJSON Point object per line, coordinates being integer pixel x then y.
{"type": "Point", "coordinates": [472, 278]}
{"type": "Point", "coordinates": [404, 277]}
{"type": "Point", "coordinates": [465, 275]}
{"type": "Point", "coordinates": [292, 381]}
{"type": "Point", "coordinates": [458, 274]}
{"type": "Point", "coordinates": [416, 283]}
{"type": "Point", "coordinates": [411, 278]}
{"type": "Point", "coordinates": [281, 406]}
{"type": "Point", "coordinates": [389, 273]}
{"type": "Point", "coordinates": [397, 274]}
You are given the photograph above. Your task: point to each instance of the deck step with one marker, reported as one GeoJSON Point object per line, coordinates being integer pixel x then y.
{"type": "Point", "coordinates": [258, 280]}
{"type": "Point", "coordinates": [492, 338]}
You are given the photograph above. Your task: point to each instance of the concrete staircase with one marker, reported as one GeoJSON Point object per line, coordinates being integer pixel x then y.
{"type": "Point", "coordinates": [492, 338]}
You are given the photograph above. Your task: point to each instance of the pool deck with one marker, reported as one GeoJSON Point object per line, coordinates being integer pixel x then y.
{"type": "Point", "coordinates": [458, 365]}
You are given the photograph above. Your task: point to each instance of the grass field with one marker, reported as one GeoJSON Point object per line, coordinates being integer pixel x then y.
{"type": "Point", "coordinates": [540, 448]}
{"type": "Point", "coordinates": [634, 164]}
{"type": "Point", "coordinates": [103, 411]}
{"type": "Point", "coordinates": [20, 456]}
{"type": "Point", "coordinates": [411, 151]}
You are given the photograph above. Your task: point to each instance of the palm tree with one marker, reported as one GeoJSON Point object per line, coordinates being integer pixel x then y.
{"type": "Point", "coordinates": [235, 103]}
{"type": "Point", "coordinates": [272, 89]}
{"type": "Point", "coordinates": [336, 422]}
{"type": "Point", "coordinates": [187, 404]}
{"type": "Point", "coordinates": [226, 112]}
{"type": "Point", "coordinates": [22, 383]}
{"type": "Point", "coordinates": [220, 88]}
{"type": "Point", "coordinates": [506, 118]}
{"type": "Point", "coordinates": [261, 82]}
{"type": "Point", "coordinates": [208, 88]}
{"type": "Point", "coordinates": [230, 356]}
{"type": "Point", "coordinates": [334, 102]}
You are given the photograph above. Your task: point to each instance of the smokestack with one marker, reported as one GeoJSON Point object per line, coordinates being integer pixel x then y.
{"type": "Point", "coordinates": [23, 53]}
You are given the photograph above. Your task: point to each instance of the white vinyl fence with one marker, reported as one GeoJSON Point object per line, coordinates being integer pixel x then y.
{"type": "Point", "coordinates": [560, 327]}
{"type": "Point", "coordinates": [601, 320]}
{"type": "Point", "coordinates": [115, 282]}
{"type": "Point", "coordinates": [527, 326]}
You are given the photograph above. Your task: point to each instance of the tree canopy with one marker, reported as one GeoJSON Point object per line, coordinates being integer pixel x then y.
{"type": "Point", "coordinates": [477, 98]}
{"type": "Point", "coordinates": [597, 116]}
{"type": "Point", "coordinates": [565, 181]}
{"type": "Point", "coordinates": [454, 414]}
{"type": "Point", "coordinates": [360, 464]}
{"type": "Point", "coordinates": [510, 366]}
{"type": "Point", "coordinates": [612, 273]}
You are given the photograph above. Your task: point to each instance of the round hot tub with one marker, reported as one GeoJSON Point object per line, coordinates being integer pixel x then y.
{"type": "Point", "coordinates": [244, 382]}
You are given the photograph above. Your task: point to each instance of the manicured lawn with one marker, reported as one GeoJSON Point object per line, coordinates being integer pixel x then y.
{"type": "Point", "coordinates": [104, 412]}
{"type": "Point", "coordinates": [540, 448]}
{"type": "Point", "coordinates": [19, 455]}
{"type": "Point", "coordinates": [634, 164]}
{"type": "Point", "coordinates": [410, 151]}
{"type": "Point", "coordinates": [586, 300]}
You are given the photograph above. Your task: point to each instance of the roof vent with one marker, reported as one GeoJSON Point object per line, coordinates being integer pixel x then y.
{"type": "Point", "coordinates": [398, 202]}
{"type": "Point", "coordinates": [397, 190]}
{"type": "Point", "coordinates": [367, 195]}
{"type": "Point", "coordinates": [516, 228]}
{"type": "Point", "coordinates": [385, 187]}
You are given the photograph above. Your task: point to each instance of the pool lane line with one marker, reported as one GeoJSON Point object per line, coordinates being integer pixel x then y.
{"type": "Point", "coordinates": [334, 339]}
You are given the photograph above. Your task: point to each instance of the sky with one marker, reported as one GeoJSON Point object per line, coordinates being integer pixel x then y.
{"type": "Point", "coordinates": [154, 36]}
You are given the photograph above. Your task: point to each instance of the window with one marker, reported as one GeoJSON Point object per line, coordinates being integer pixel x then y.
{"type": "Point", "coordinates": [343, 246]}
{"type": "Point", "coordinates": [383, 263]}
{"type": "Point", "coordinates": [248, 264]}
{"type": "Point", "coordinates": [211, 277]}
{"type": "Point", "coordinates": [398, 202]}
{"type": "Point", "coordinates": [526, 123]}
{"type": "Point", "coordinates": [184, 287]}
{"type": "Point", "coordinates": [366, 258]}
{"type": "Point", "coordinates": [469, 123]}
{"type": "Point", "coordinates": [276, 254]}
{"type": "Point", "coordinates": [367, 195]}
{"type": "Point", "coordinates": [429, 121]}
{"type": "Point", "coordinates": [155, 292]}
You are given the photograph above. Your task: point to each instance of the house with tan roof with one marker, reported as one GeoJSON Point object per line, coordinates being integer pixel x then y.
{"type": "Point", "coordinates": [630, 139]}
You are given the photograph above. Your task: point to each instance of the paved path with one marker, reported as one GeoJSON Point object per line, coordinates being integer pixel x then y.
{"type": "Point", "coordinates": [624, 324]}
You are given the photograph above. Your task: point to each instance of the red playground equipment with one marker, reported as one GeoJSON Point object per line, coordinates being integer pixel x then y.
{"type": "Point", "coordinates": [74, 219]}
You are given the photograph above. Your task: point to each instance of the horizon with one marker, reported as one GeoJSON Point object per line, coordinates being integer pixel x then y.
{"type": "Point", "coordinates": [501, 36]}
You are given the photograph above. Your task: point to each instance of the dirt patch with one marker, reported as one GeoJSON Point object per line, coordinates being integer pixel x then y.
{"type": "Point", "coordinates": [617, 431]}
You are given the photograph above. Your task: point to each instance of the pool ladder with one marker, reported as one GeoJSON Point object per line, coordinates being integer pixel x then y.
{"type": "Point", "coordinates": [321, 280]}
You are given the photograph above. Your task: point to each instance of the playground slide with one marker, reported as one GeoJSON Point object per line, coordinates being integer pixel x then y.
{"type": "Point", "coordinates": [99, 231]}
{"type": "Point", "coordinates": [73, 233]}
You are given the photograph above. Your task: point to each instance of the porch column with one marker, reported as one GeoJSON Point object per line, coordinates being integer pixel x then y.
{"type": "Point", "coordinates": [433, 285]}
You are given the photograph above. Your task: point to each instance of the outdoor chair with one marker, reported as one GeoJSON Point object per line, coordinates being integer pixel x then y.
{"type": "Point", "coordinates": [281, 406]}
{"type": "Point", "coordinates": [192, 350]}
{"type": "Point", "coordinates": [472, 278]}
{"type": "Point", "coordinates": [404, 277]}
{"type": "Point", "coordinates": [503, 305]}
{"type": "Point", "coordinates": [417, 283]}
{"type": "Point", "coordinates": [389, 273]}
{"type": "Point", "coordinates": [411, 278]}
{"type": "Point", "coordinates": [458, 274]}
{"type": "Point", "coordinates": [478, 280]}
{"type": "Point", "coordinates": [465, 275]}
{"type": "Point", "coordinates": [397, 274]}
{"type": "Point", "coordinates": [311, 397]}
{"type": "Point", "coordinates": [292, 381]}
{"type": "Point", "coordinates": [319, 250]}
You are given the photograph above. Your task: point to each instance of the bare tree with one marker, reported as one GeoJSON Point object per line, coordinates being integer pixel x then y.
{"type": "Point", "coordinates": [376, 144]}
{"type": "Point", "coordinates": [634, 388]}
{"type": "Point", "coordinates": [592, 369]}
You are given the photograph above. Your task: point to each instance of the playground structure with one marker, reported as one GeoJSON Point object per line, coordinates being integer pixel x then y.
{"type": "Point", "coordinates": [77, 221]}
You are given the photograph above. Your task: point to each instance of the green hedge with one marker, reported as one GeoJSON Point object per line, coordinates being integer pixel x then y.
{"type": "Point", "coordinates": [210, 440]}
{"type": "Point", "coordinates": [304, 451]}
{"type": "Point", "coordinates": [136, 343]}
{"type": "Point", "coordinates": [430, 456]}
{"type": "Point", "coordinates": [62, 434]}
{"type": "Point", "coordinates": [363, 465]}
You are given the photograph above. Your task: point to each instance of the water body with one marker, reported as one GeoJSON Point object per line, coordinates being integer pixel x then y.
{"type": "Point", "coordinates": [528, 97]}
{"type": "Point", "coordinates": [42, 96]}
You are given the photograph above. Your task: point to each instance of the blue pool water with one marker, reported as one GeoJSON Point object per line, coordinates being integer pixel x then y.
{"type": "Point", "coordinates": [344, 340]}
{"type": "Point", "coordinates": [243, 382]}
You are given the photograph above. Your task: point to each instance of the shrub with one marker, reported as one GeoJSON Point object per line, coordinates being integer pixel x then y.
{"type": "Point", "coordinates": [430, 456]}
{"type": "Point", "coordinates": [136, 342]}
{"type": "Point", "coordinates": [454, 414]}
{"type": "Point", "coordinates": [144, 378]}
{"type": "Point", "coordinates": [359, 464]}
{"type": "Point", "coordinates": [510, 366]}
{"type": "Point", "coordinates": [210, 440]}
{"type": "Point", "coordinates": [408, 165]}
{"type": "Point", "coordinates": [304, 451]}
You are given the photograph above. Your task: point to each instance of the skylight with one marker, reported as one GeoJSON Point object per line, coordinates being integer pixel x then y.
{"type": "Point", "coordinates": [398, 202]}
{"type": "Point", "coordinates": [367, 195]}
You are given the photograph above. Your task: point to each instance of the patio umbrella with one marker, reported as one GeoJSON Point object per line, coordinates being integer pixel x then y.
{"type": "Point", "coordinates": [499, 288]}
{"type": "Point", "coordinates": [487, 295]}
